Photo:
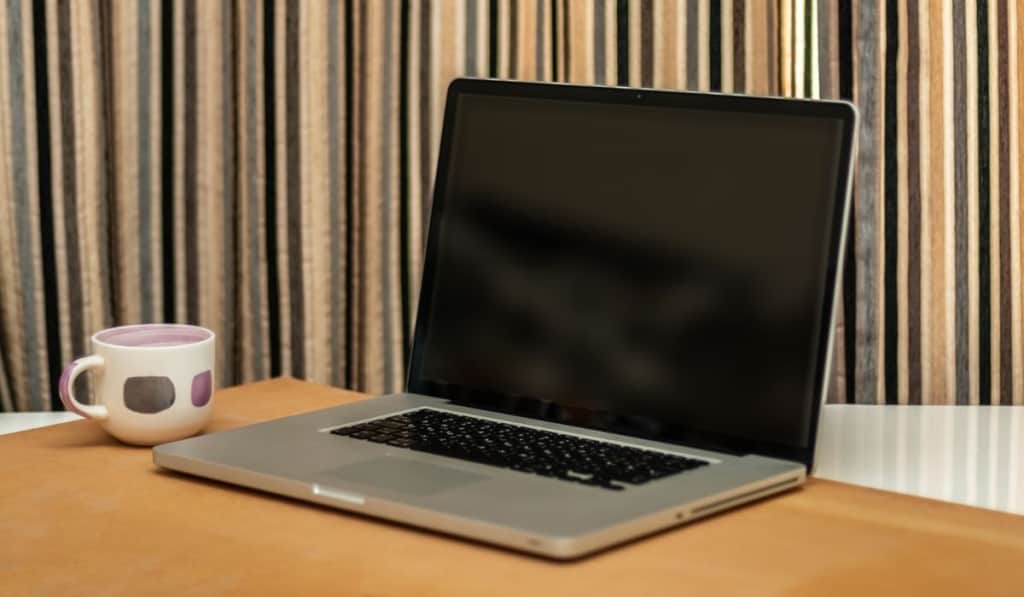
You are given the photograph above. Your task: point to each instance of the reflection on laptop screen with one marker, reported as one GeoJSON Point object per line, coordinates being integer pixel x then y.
{"type": "Point", "coordinates": [638, 260]}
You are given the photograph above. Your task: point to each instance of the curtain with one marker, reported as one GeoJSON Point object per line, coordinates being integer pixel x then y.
{"type": "Point", "coordinates": [264, 168]}
{"type": "Point", "coordinates": [933, 287]}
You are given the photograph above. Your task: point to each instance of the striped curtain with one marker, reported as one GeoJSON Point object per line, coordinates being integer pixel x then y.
{"type": "Point", "coordinates": [932, 302]}
{"type": "Point", "coordinates": [264, 168]}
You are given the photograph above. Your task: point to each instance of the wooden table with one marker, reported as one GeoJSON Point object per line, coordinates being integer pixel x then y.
{"type": "Point", "coordinates": [83, 514]}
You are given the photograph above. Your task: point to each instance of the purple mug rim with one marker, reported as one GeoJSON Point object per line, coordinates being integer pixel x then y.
{"type": "Point", "coordinates": [210, 336]}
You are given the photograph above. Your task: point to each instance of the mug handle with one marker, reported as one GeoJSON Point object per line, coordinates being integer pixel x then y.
{"type": "Point", "coordinates": [67, 384]}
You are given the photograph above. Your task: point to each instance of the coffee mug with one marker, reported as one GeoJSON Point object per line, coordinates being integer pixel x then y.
{"type": "Point", "coordinates": [152, 383]}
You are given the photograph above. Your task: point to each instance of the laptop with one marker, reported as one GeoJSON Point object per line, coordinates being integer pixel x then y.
{"type": "Point", "coordinates": [624, 323]}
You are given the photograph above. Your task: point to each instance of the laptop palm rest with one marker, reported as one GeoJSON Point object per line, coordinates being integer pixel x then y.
{"type": "Point", "coordinates": [401, 475]}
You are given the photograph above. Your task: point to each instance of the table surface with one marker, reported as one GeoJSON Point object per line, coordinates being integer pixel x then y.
{"type": "Point", "coordinates": [83, 514]}
{"type": "Point", "coordinates": [965, 454]}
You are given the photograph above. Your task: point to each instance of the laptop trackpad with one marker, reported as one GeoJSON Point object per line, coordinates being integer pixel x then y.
{"type": "Point", "coordinates": [410, 477]}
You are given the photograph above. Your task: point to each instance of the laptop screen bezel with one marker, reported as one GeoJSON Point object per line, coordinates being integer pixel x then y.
{"type": "Point", "coordinates": [843, 112]}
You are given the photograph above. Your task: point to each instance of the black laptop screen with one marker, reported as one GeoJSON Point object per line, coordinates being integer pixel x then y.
{"type": "Point", "coordinates": [633, 265]}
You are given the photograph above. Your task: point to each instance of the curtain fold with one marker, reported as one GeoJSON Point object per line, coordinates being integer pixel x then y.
{"type": "Point", "coordinates": [264, 168]}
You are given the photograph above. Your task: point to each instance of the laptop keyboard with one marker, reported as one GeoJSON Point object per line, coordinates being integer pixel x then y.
{"type": "Point", "coordinates": [546, 453]}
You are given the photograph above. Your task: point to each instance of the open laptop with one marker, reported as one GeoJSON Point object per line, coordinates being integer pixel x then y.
{"type": "Point", "coordinates": [624, 324]}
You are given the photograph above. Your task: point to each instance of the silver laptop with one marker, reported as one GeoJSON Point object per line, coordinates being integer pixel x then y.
{"type": "Point", "coordinates": [624, 323]}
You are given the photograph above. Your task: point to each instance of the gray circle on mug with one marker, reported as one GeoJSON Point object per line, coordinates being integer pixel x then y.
{"type": "Point", "coordinates": [148, 395]}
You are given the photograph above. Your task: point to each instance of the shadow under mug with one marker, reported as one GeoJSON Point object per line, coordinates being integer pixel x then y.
{"type": "Point", "coordinates": [152, 383]}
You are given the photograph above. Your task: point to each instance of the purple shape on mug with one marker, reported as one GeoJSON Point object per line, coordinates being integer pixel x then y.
{"type": "Point", "coordinates": [64, 389]}
{"type": "Point", "coordinates": [202, 388]}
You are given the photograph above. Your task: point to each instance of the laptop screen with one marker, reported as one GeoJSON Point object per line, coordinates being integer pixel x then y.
{"type": "Point", "coordinates": [643, 267]}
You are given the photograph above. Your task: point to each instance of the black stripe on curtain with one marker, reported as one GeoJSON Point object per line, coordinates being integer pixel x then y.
{"type": "Point", "coordinates": [850, 265]}
{"type": "Point", "coordinates": [715, 45]}
{"type": "Point", "coordinates": [890, 187]}
{"type": "Point", "coordinates": [293, 160]}
{"type": "Point", "coordinates": [191, 167]}
{"type": "Point", "coordinates": [167, 155]}
{"type": "Point", "coordinates": [51, 288]}
{"type": "Point", "coordinates": [554, 40]}
{"type": "Point", "coordinates": [566, 44]}
{"type": "Point", "coordinates": [622, 42]}
{"type": "Point", "coordinates": [350, 332]}
{"type": "Point", "coordinates": [105, 69]}
{"type": "Point", "coordinates": [403, 172]}
{"type": "Point", "coordinates": [492, 38]}
{"type": "Point", "coordinates": [270, 194]}
{"type": "Point", "coordinates": [984, 216]}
